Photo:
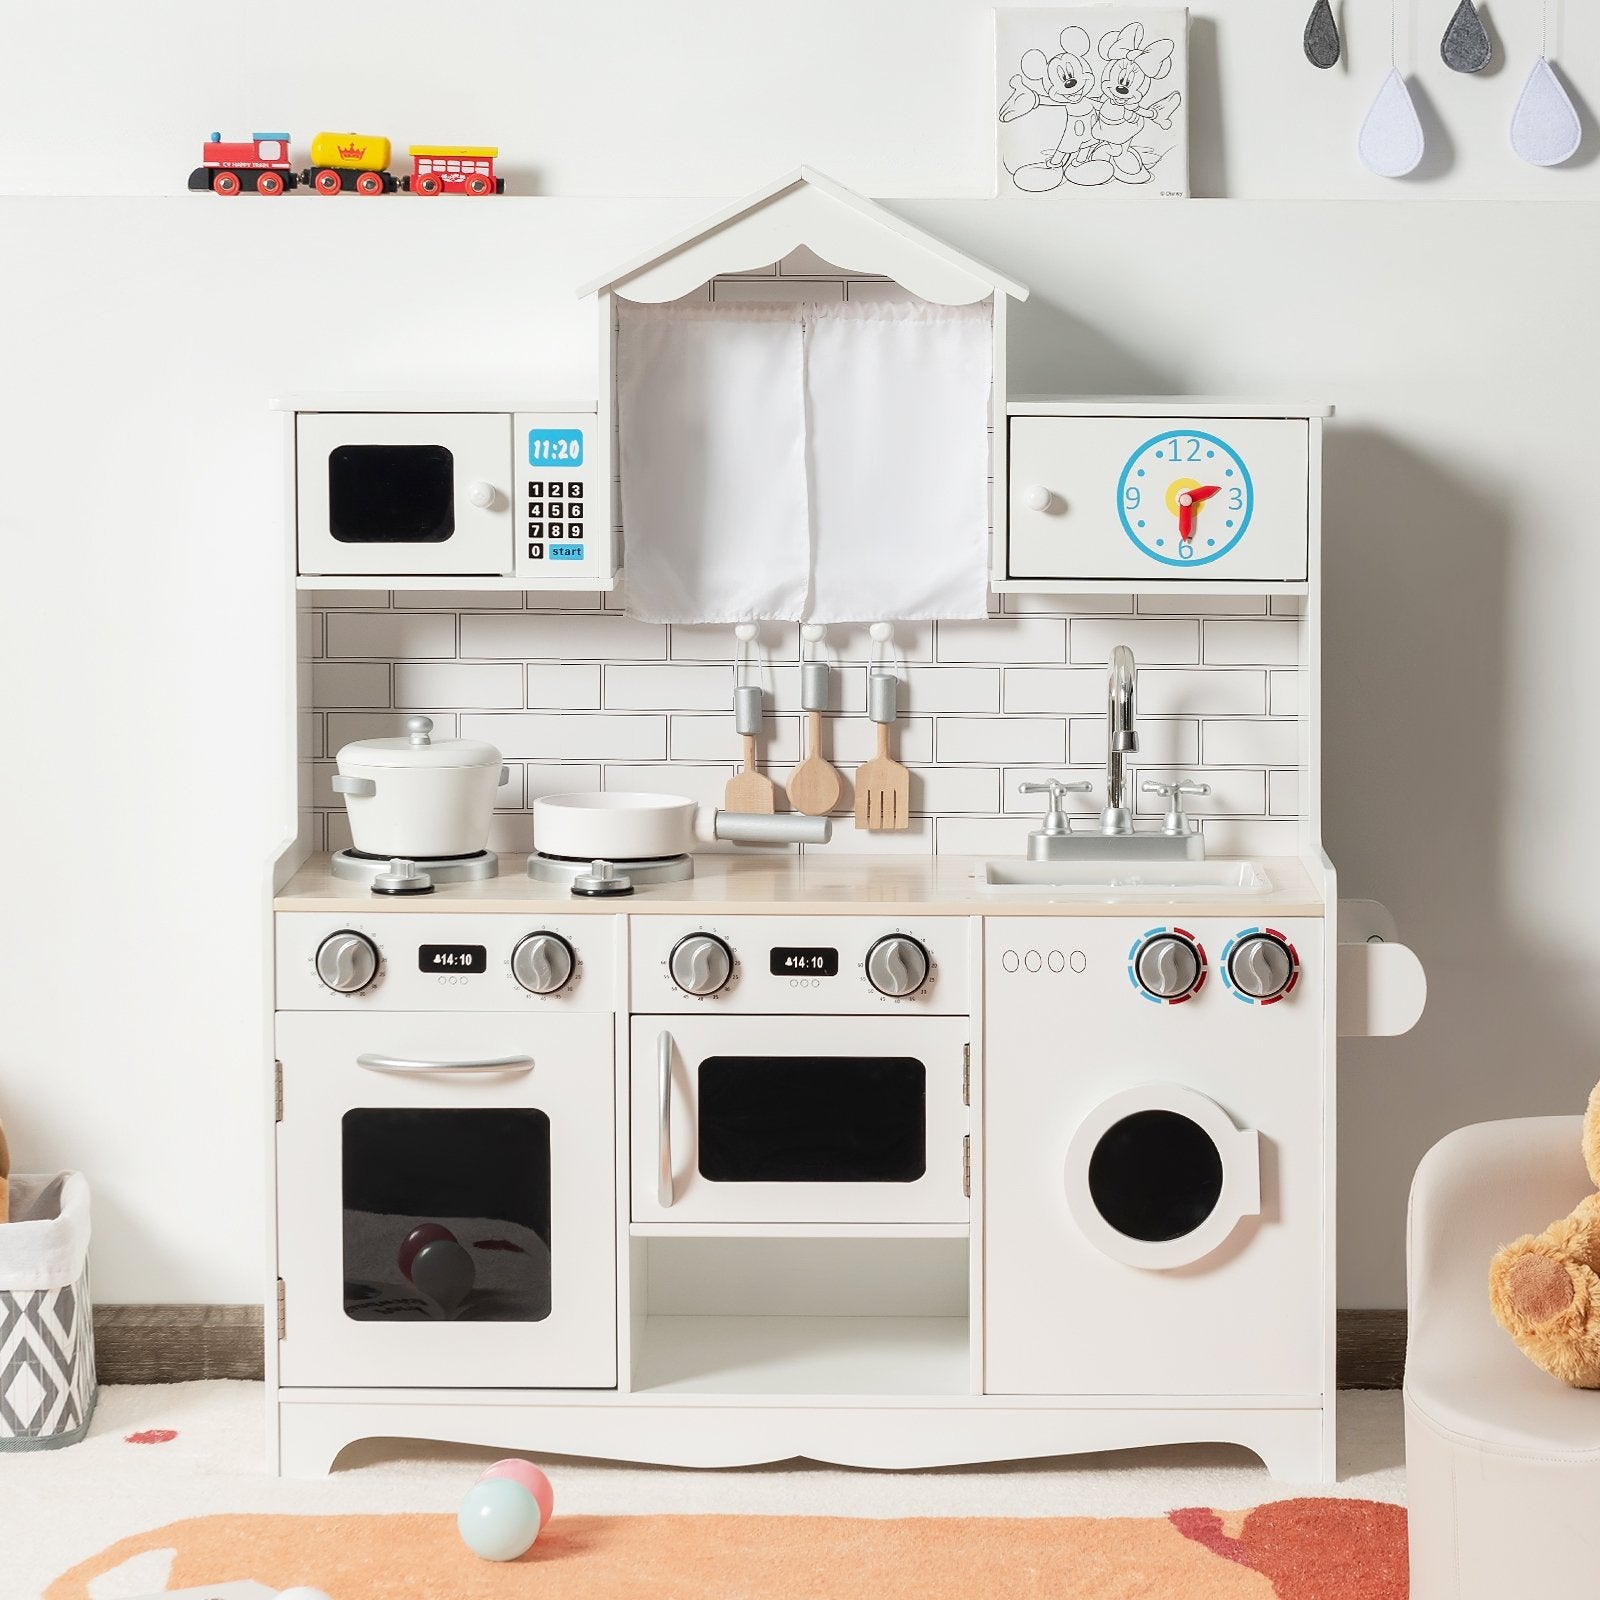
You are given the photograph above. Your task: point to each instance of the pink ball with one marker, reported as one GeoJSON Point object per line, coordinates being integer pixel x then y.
{"type": "Point", "coordinates": [531, 1479]}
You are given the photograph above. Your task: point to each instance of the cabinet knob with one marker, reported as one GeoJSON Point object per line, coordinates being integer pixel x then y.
{"type": "Point", "coordinates": [481, 494]}
{"type": "Point", "coordinates": [1038, 498]}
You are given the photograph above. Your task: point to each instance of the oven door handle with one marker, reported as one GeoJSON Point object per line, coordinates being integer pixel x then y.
{"type": "Point", "coordinates": [377, 1063]}
{"type": "Point", "coordinates": [664, 1120]}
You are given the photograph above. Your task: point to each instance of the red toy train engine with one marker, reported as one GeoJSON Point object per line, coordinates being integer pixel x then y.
{"type": "Point", "coordinates": [260, 162]}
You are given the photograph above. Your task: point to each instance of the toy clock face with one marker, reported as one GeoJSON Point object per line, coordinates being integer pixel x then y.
{"type": "Point", "coordinates": [1185, 497]}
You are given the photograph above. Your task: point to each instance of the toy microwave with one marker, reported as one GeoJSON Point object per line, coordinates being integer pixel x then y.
{"type": "Point", "coordinates": [512, 494]}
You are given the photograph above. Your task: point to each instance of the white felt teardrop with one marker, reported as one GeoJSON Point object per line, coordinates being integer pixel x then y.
{"type": "Point", "coordinates": [1545, 128]}
{"type": "Point", "coordinates": [1391, 137]}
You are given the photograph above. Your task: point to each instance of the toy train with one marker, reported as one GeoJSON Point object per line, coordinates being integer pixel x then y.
{"type": "Point", "coordinates": [344, 163]}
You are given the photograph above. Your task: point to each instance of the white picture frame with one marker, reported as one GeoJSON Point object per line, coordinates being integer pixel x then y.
{"type": "Point", "coordinates": [1092, 101]}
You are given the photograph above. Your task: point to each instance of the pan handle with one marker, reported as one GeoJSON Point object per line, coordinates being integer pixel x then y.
{"type": "Point", "coordinates": [356, 788]}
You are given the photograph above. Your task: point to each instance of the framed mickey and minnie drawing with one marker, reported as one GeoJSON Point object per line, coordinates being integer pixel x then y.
{"type": "Point", "coordinates": [1092, 100]}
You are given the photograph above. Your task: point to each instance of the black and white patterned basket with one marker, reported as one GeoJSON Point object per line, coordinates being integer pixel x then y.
{"type": "Point", "coordinates": [47, 1381]}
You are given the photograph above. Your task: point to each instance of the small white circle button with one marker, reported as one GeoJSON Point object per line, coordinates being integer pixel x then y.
{"type": "Point", "coordinates": [1033, 961]}
{"type": "Point", "coordinates": [1009, 961]}
{"type": "Point", "coordinates": [1058, 962]}
{"type": "Point", "coordinates": [1079, 961]}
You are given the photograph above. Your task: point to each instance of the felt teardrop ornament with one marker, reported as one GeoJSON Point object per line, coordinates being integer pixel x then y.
{"type": "Point", "coordinates": [1322, 36]}
{"type": "Point", "coordinates": [1391, 141]}
{"type": "Point", "coordinates": [1465, 46]}
{"type": "Point", "coordinates": [1545, 129]}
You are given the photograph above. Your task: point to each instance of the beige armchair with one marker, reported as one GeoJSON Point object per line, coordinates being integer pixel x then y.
{"type": "Point", "coordinates": [1502, 1461]}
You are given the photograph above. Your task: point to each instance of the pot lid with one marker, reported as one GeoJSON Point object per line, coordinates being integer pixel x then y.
{"type": "Point", "coordinates": [418, 748]}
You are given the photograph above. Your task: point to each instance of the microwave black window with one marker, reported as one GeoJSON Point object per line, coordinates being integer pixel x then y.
{"type": "Point", "coordinates": [391, 493]}
{"type": "Point", "coordinates": [813, 1119]}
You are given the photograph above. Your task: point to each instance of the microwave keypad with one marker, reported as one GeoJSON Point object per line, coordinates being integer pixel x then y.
{"type": "Point", "coordinates": [555, 518]}
{"type": "Point", "coordinates": [559, 477]}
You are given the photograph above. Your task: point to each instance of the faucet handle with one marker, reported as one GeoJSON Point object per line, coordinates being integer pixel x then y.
{"type": "Point", "coordinates": [1055, 788]}
{"type": "Point", "coordinates": [1175, 824]}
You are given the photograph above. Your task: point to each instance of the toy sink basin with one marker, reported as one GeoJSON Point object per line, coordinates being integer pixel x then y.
{"type": "Point", "coordinates": [1125, 880]}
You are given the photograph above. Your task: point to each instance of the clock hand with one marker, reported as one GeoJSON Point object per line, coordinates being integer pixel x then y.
{"type": "Point", "coordinates": [1188, 500]}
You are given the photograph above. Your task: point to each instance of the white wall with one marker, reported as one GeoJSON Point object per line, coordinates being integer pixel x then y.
{"type": "Point", "coordinates": [140, 500]}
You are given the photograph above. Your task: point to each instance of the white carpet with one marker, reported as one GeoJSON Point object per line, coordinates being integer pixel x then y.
{"type": "Point", "coordinates": [59, 1507]}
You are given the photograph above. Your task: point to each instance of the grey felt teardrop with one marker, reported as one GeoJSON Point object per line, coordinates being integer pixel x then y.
{"type": "Point", "coordinates": [1322, 36]}
{"type": "Point", "coordinates": [1465, 46]}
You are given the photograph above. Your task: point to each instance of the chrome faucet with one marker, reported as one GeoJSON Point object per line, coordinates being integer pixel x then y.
{"type": "Point", "coordinates": [1121, 740]}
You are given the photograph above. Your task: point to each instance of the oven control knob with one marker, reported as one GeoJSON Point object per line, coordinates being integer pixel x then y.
{"type": "Point", "coordinates": [897, 966]}
{"type": "Point", "coordinates": [542, 963]}
{"type": "Point", "coordinates": [347, 961]}
{"type": "Point", "coordinates": [1261, 966]}
{"type": "Point", "coordinates": [700, 964]}
{"type": "Point", "coordinates": [1168, 966]}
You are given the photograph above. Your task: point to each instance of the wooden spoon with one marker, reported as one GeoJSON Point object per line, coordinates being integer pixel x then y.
{"type": "Point", "coordinates": [749, 790]}
{"type": "Point", "coordinates": [815, 785]}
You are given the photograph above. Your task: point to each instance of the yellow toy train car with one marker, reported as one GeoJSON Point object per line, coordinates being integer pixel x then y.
{"type": "Point", "coordinates": [341, 162]}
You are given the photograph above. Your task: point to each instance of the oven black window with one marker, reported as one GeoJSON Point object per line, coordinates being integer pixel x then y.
{"type": "Point", "coordinates": [391, 494]}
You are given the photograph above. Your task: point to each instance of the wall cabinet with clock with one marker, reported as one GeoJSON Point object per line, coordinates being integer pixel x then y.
{"type": "Point", "coordinates": [1158, 493]}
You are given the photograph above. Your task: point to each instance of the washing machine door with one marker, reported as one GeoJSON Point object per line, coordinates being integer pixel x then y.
{"type": "Point", "coordinates": [1160, 1176]}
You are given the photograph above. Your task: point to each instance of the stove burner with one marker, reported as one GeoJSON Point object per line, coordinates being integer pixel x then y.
{"type": "Point", "coordinates": [655, 869]}
{"type": "Point", "coordinates": [361, 866]}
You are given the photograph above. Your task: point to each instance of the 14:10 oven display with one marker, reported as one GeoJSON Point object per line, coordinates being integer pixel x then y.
{"type": "Point", "coordinates": [805, 961]}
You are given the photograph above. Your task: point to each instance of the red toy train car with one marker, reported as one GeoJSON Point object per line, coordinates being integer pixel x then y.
{"type": "Point", "coordinates": [260, 162]}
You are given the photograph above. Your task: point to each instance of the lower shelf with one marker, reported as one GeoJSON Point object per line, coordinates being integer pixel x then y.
{"type": "Point", "coordinates": [802, 1355]}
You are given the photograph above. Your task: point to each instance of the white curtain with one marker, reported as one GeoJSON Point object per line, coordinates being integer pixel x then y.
{"type": "Point", "coordinates": [826, 463]}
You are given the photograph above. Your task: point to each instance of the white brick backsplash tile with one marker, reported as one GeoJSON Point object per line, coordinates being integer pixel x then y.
{"type": "Point", "coordinates": [1087, 804]}
{"type": "Point", "coordinates": [1054, 691]}
{"type": "Point", "coordinates": [1272, 643]}
{"type": "Point", "coordinates": [776, 289]}
{"type": "Point", "coordinates": [941, 789]}
{"type": "Point", "coordinates": [708, 736]}
{"type": "Point", "coordinates": [430, 685]}
{"type": "Point", "coordinates": [510, 796]}
{"type": "Point", "coordinates": [880, 291]}
{"type": "Point", "coordinates": [391, 634]}
{"type": "Point", "coordinates": [1284, 694]}
{"type": "Point", "coordinates": [777, 641]}
{"type": "Point", "coordinates": [1283, 793]}
{"type": "Point", "coordinates": [1250, 836]}
{"type": "Point", "coordinates": [546, 736]}
{"type": "Point", "coordinates": [572, 602]}
{"type": "Point", "coordinates": [769, 270]}
{"type": "Point", "coordinates": [456, 600]}
{"type": "Point", "coordinates": [545, 777]}
{"type": "Point", "coordinates": [343, 726]}
{"type": "Point", "coordinates": [1202, 605]}
{"type": "Point", "coordinates": [852, 740]}
{"type": "Point", "coordinates": [574, 688]}
{"type": "Point", "coordinates": [511, 833]}
{"type": "Point", "coordinates": [1225, 741]}
{"type": "Point", "coordinates": [981, 836]}
{"type": "Point", "coordinates": [1003, 639]}
{"type": "Point", "coordinates": [308, 635]}
{"type": "Point", "coordinates": [849, 840]}
{"type": "Point", "coordinates": [353, 599]}
{"type": "Point", "coordinates": [658, 687]}
{"type": "Point", "coordinates": [1067, 605]}
{"type": "Point", "coordinates": [1001, 739]}
{"type": "Point", "coordinates": [1094, 638]}
{"type": "Point", "coordinates": [928, 690]}
{"type": "Point", "coordinates": [322, 795]}
{"type": "Point", "coordinates": [702, 783]}
{"type": "Point", "coordinates": [340, 684]}
{"type": "Point", "coordinates": [336, 830]}
{"type": "Point", "coordinates": [1171, 691]}
{"type": "Point", "coordinates": [557, 636]}
{"type": "Point", "coordinates": [1235, 792]}
{"type": "Point", "coordinates": [852, 642]}
{"type": "Point", "coordinates": [1173, 741]}
{"type": "Point", "coordinates": [1288, 605]}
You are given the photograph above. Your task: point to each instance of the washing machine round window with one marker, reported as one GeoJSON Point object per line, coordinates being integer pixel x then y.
{"type": "Point", "coordinates": [1160, 1176]}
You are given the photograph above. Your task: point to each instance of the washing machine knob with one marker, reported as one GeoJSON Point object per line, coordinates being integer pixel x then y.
{"type": "Point", "coordinates": [897, 966]}
{"type": "Point", "coordinates": [1261, 966]}
{"type": "Point", "coordinates": [542, 962]}
{"type": "Point", "coordinates": [1168, 966]}
{"type": "Point", "coordinates": [347, 961]}
{"type": "Point", "coordinates": [700, 964]}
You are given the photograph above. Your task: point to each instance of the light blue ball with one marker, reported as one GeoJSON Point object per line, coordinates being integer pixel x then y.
{"type": "Point", "coordinates": [499, 1519]}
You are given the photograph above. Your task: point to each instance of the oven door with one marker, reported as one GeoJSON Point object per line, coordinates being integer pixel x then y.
{"type": "Point", "coordinates": [446, 1201]}
{"type": "Point", "coordinates": [403, 494]}
{"type": "Point", "coordinates": [799, 1119]}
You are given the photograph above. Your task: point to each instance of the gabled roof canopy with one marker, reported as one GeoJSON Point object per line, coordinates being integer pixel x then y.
{"type": "Point", "coordinates": [806, 208]}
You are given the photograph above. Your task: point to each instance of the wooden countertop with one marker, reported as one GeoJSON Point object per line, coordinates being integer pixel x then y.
{"type": "Point", "coordinates": [755, 885]}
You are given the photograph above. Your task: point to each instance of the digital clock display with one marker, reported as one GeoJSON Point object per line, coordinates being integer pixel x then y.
{"type": "Point", "coordinates": [558, 446]}
{"type": "Point", "coordinates": [804, 962]}
{"type": "Point", "coordinates": [452, 958]}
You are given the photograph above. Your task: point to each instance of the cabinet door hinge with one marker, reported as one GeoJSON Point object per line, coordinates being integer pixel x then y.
{"type": "Point", "coordinates": [283, 1316]}
{"type": "Point", "coordinates": [966, 1074]}
{"type": "Point", "coordinates": [966, 1165]}
{"type": "Point", "coordinates": [277, 1091]}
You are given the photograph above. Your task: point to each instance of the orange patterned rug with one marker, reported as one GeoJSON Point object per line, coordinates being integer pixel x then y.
{"type": "Point", "coordinates": [1313, 1549]}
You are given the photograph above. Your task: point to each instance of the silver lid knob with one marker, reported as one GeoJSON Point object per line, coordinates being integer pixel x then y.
{"type": "Point", "coordinates": [897, 966]}
{"type": "Point", "coordinates": [347, 961]}
{"type": "Point", "coordinates": [1168, 966]}
{"type": "Point", "coordinates": [542, 963]}
{"type": "Point", "coordinates": [700, 964]}
{"type": "Point", "coordinates": [420, 730]}
{"type": "Point", "coordinates": [1261, 966]}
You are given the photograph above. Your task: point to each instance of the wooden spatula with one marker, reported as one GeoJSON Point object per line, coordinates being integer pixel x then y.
{"type": "Point", "coordinates": [749, 790]}
{"type": "Point", "coordinates": [883, 786]}
{"type": "Point", "coordinates": [815, 785]}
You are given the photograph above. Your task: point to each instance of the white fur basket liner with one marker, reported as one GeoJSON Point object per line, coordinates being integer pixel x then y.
{"type": "Point", "coordinates": [47, 1379]}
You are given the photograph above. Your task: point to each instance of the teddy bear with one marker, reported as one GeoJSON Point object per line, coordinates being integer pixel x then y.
{"type": "Point", "coordinates": [1544, 1288]}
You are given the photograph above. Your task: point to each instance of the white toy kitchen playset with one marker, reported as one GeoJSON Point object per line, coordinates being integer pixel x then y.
{"type": "Point", "coordinates": [994, 1136]}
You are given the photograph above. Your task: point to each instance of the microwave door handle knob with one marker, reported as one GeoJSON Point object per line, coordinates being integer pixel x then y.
{"type": "Point", "coordinates": [664, 1125]}
{"type": "Point", "coordinates": [481, 494]}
